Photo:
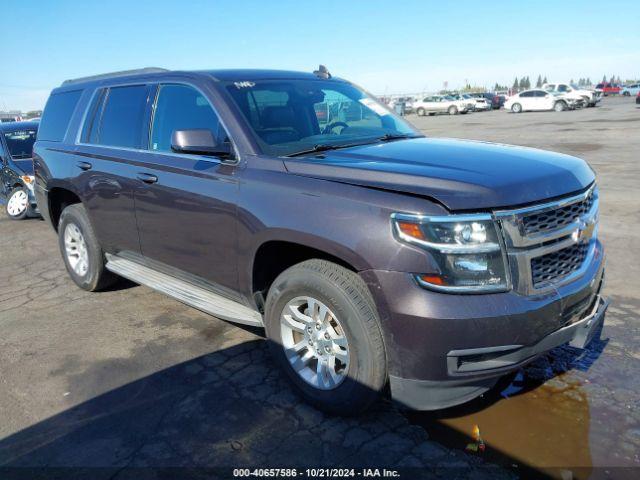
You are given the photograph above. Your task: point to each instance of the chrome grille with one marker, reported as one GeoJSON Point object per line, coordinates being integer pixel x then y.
{"type": "Point", "coordinates": [554, 266]}
{"type": "Point", "coordinates": [550, 244]}
{"type": "Point", "coordinates": [560, 217]}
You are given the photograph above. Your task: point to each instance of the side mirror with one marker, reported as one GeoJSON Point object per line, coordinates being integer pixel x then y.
{"type": "Point", "coordinates": [198, 141]}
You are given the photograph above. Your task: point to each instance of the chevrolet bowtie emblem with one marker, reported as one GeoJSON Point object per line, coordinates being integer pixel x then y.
{"type": "Point", "coordinates": [584, 232]}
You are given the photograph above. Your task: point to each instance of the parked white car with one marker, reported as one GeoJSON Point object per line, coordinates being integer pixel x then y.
{"type": "Point", "coordinates": [629, 90]}
{"type": "Point", "coordinates": [468, 99]}
{"type": "Point", "coordinates": [537, 100]}
{"type": "Point", "coordinates": [408, 103]}
{"type": "Point", "coordinates": [482, 104]}
{"type": "Point", "coordinates": [440, 104]}
{"type": "Point", "coordinates": [581, 96]}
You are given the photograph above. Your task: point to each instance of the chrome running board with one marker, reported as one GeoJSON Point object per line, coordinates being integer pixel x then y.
{"type": "Point", "coordinates": [185, 292]}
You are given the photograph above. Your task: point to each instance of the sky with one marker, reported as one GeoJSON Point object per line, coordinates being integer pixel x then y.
{"type": "Point", "coordinates": [387, 47]}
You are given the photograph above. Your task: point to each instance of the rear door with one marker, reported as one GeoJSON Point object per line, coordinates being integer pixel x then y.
{"type": "Point", "coordinates": [526, 100]}
{"type": "Point", "coordinates": [106, 161]}
{"type": "Point", "coordinates": [186, 203]}
{"type": "Point", "coordinates": [439, 104]}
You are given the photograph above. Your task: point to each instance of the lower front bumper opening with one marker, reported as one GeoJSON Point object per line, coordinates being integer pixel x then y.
{"type": "Point", "coordinates": [475, 371]}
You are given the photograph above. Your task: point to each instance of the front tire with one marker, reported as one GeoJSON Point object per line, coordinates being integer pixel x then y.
{"type": "Point", "coordinates": [324, 332]}
{"type": "Point", "coordinates": [559, 106]}
{"type": "Point", "coordinates": [453, 110]}
{"type": "Point", "coordinates": [17, 207]}
{"type": "Point", "coordinates": [81, 251]}
{"type": "Point", "coordinates": [626, 94]}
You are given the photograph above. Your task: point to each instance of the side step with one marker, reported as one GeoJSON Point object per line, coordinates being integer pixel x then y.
{"type": "Point", "coordinates": [194, 296]}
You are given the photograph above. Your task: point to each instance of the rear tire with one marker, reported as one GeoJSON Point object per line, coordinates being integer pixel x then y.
{"type": "Point", "coordinates": [299, 351]}
{"type": "Point", "coordinates": [81, 251]}
{"type": "Point", "coordinates": [420, 112]}
{"type": "Point", "coordinates": [626, 94]}
{"type": "Point", "coordinates": [516, 108]}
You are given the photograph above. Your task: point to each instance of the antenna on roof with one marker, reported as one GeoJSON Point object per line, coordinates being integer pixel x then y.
{"type": "Point", "coordinates": [322, 72]}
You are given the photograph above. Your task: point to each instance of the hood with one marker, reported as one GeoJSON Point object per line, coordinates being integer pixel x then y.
{"type": "Point", "coordinates": [25, 165]}
{"type": "Point", "coordinates": [462, 175]}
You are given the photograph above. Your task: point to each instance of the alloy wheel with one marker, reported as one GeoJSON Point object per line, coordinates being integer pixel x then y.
{"type": "Point", "coordinates": [314, 342]}
{"type": "Point", "coordinates": [76, 249]}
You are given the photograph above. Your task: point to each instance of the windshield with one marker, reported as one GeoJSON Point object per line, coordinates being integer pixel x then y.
{"type": "Point", "coordinates": [292, 116]}
{"type": "Point", "coordinates": [20, 143]}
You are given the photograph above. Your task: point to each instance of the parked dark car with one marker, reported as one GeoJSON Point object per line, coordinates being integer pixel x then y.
{"type": "Point", "coordinates": [497, 101]}
{"type": "Point", "coordinates": [16, 176]}
{"type": "Point", "coordinates": [638, 98]}
{"type": "Point", "coordinates": [374, 258]}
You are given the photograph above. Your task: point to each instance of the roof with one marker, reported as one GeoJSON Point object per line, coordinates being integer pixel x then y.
{"type": "Point", "coordinates": [15, 126]}
{"type": "Point", "coordinates": [222, 75]}
{"type": "Point", "coordinates": [241, 74]}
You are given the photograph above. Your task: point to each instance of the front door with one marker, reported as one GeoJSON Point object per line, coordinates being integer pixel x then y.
{"type": "Point", "coordinates": [186, 204]}
{"type": "Point", "coordinates": [544, 100]}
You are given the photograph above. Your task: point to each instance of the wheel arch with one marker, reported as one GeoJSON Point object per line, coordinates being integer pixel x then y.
{"type": "Point", "coordinates": [273, 256]}
{"type": "Point", "coordinates": [58, 198]}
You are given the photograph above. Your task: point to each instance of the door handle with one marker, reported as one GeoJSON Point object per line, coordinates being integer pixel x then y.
{"type": "Point", "coordinates": [147, 178]}
{"type": "Point", "coordinates": [84, 165]}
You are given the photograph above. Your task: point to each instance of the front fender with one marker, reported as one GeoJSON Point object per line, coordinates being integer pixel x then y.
{"type": "Point", "coordinates": [351, 223]}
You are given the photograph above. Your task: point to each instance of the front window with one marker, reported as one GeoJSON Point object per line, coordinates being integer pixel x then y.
{"type": "Point", "coordinates": [291, 116]}
{"type": "Point", "coordinates": [180, 107]}
{"type": "Point", "coordinates": [20, 143]}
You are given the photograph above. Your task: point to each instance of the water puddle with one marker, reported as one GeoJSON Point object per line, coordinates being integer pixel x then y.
{"type": "Point", "coordinates": [545, 426]}
{"type": "Point", "coordinates": [547, 420]}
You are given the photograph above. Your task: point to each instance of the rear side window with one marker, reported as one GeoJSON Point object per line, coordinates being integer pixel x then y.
{"type": "Point", "coordinates": [90, 128]}
{"type": "Point", "coordinates": [122, 117]}
{"type": "Point", "coordinates": [57, 114]}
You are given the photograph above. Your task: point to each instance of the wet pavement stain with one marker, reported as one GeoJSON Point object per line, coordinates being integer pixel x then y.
{"type": "Point", "coordinates": [556, 417]}
{"type": "Point", "coordinates": [539, 425]}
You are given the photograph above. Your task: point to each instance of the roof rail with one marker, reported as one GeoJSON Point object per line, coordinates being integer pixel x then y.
{"type": "Point", "coordinates": [123, 73]}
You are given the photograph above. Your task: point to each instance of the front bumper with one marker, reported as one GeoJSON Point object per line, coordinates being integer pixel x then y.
{"type": "Point", "coordinates": [444, 349]}
{"type": "Point", "coordinates": [429, 395]}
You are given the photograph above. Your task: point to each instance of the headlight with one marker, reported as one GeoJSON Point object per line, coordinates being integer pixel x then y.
{"type": "Point", "coordinates": [467, 249]}
{"type": "Point", "coordinates": [28, 181]}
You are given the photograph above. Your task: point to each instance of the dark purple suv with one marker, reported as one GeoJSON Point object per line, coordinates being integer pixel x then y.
{"type": "Point", "coordinates": [372, 256]}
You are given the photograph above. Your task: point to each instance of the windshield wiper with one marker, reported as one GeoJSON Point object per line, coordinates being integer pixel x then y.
{"type": "Point", "coordinates": [397, 136]}
{"type": "Point", "coordinates": [321, 147]}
